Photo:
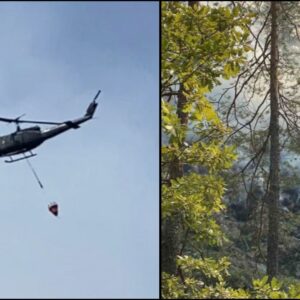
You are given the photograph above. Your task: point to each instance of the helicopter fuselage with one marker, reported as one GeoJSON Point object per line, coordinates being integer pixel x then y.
{"type": "Point", "coordinates": [20, 141]}
{"type": "Point", "coordinates": [26, 139]}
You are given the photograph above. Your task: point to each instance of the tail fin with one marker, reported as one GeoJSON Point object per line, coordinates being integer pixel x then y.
{"type": "Point", "coordinates": [92, 107]}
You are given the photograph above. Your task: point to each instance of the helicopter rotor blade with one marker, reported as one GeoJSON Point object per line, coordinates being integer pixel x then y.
{"type": "Point", "coordinates": [8, 120]}
{"type": "Point", "coordinates": [39, 122]}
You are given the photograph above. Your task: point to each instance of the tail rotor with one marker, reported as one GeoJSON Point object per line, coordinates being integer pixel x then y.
{"type": "Point", "coordinates": [92, 107]}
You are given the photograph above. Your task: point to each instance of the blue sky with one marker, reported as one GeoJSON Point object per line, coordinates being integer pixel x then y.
{"type": "Point", "coordinates": [54, 57]}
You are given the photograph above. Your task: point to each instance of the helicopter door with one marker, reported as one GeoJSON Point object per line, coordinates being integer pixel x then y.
{"type": "Point", "coordinates": [17, 138]}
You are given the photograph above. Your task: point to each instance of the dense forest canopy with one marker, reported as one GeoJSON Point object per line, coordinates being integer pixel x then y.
{"type": "Point", "coordinates": [229, 99]}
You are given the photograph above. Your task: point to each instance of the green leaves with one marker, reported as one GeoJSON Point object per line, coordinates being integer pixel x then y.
{"type": "Point", "coordinates": [208, 267]}
{"type": "Point", "coordinates": [262, 289]}
{"type": "Point", "coordinates": [231, 69]}
{"type": "Point", "coordinates": [197, 198]}
{"type": "Point", "coordinates": [197, 289]}
{"type": "Point", "coordinates": [199, 43]}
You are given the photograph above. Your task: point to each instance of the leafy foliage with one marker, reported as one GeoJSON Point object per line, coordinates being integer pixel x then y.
{"type": "Point", "coordinates": [196, 289]}
{"type": "Point", "coordinates": [201, 46]}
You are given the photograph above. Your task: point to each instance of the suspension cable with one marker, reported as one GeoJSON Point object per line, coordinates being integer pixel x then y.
{"type": "Point", "coordinates": [34, 173]}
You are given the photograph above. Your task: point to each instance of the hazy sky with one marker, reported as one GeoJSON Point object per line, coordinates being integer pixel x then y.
{"type": "Point", "coordinates": [53, 59]}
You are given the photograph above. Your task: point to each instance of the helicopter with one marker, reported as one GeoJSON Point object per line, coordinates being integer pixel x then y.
{"type": "Point", "coordinates": [24, 140]}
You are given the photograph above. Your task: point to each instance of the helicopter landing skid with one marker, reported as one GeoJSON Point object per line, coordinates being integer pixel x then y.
{"type": "Point", "coordinates": [21, 158]}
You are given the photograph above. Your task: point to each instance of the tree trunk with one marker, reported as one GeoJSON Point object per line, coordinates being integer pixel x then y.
{"type": "Point", "coordinates": [171, 228]}
{"type": "Point", "coordinates": [273, 195]}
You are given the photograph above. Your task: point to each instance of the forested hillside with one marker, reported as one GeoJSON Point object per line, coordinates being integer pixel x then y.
{"type": "Point", "coordinates": [230, 144]}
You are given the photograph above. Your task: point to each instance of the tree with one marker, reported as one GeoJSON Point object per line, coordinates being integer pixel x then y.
{"type": "Point", "coordinates": [273, 197]}
{"type": "Point", "coordinates": [200, 45]}
{"type": "Point", "coordinates": [259, 83]}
